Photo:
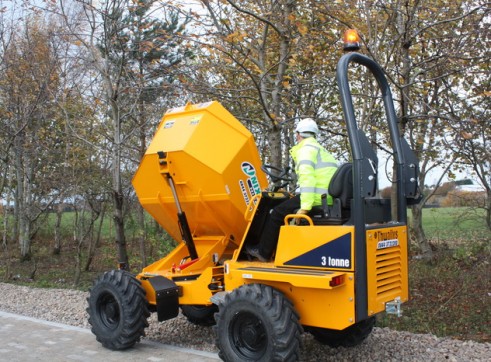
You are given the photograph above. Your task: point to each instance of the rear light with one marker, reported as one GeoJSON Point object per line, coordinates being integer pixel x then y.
{"type": "Point", "coordinates": [336, 281]}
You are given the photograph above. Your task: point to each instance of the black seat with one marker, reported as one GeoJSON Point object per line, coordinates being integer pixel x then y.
{"type": "Point", "coordinates": [341, 186]}
{"type": "Point", "coordinates": [341, 190]}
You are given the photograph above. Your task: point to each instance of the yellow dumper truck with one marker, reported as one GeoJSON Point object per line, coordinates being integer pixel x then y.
{"type": "Point", "coordinates": [203, 182]}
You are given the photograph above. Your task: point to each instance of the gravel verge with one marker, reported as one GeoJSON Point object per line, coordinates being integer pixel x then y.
{"type": "Point", "coordinates": [68, 307]}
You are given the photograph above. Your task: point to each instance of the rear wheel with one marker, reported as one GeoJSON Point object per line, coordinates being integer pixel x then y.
{"type": "Point", "coordinates": [257, 323]}
{"type": "Point", "coordinates": [117, 310]}
{"type": "Point", "coordinates": [349, 337]}
{"type": "Point", "coordinates": [201, 315]}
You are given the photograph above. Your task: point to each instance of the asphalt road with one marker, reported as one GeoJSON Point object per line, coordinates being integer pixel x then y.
{"type": "Point", "coordinates": [28, 339]}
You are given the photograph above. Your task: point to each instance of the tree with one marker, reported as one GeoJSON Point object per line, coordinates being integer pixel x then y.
{"type": "Point", "coordinates": [470, 131]}
{"type": "Point", "coordinates": [156, 49]}
{"type": "Point", "coordinates": [425, 58]}
{"type": "Point", "coordinates": [434, 57]}
{"type": "Point", "coordinates": [269, 63]}
{"type": "Point", "coordinates": [29, 82]}
{"type": "Point", "coordinates": [133, 54]}
{"type": "Point", "coordinates": [5, 141]}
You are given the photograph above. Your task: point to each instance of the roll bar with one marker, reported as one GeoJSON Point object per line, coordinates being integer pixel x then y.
{"type": "Point", "coordinates": [358, 152]}
{"type": "Point", "coordinates": [364, 171]}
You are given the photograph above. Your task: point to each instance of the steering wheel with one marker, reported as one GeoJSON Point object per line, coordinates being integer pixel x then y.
{"type": "Point", "coordinates": [279, 177]}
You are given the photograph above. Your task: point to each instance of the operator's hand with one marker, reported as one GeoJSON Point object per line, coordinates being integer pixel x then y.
{"type": "Point", "coordinates": [301, 212]}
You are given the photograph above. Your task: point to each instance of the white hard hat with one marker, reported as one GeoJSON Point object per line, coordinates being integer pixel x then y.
{"type": "Point", "coordinates": [307, 125]}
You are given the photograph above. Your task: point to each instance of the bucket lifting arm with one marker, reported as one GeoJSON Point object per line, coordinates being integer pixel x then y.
{"type": "Point", "coordinates": [183, 221]}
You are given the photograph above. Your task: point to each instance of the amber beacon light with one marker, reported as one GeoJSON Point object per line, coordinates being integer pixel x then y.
{"type": "Point", "coordinates": [351, 40]}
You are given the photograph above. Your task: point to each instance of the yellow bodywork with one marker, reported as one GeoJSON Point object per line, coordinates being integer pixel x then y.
{"type": "Point", "coordinates": [387, 268]}
{"type": "Point", "coordinates": [214, 163]}
{"type": "Point", "coordinates": [306, 282]}
{"type": "Point", "coordinates": [215, 166]}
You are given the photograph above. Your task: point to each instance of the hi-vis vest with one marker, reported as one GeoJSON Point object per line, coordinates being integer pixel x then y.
{"type": "Point", "coordinates": [314, 167]}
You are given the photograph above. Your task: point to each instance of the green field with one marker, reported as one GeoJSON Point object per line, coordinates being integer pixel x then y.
{"type": "Point", "coordinates": [454, 224]}
{"type": "Point", "coordinates": [440, 225]}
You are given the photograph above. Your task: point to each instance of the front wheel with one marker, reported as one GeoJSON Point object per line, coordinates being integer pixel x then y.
{"type": "Point", "coordinates": [349, 337]}
{"type": "Point", "coordinates": [117, 310]}
{"type": "Point", "coordinates": [257, 323]}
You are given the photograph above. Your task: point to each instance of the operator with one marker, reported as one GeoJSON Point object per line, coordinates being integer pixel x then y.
{"type": "Point", "coordinates": [314, 167]}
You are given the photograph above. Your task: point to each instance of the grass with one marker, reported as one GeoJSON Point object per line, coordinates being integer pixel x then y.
{"type": "Point", "coordinates": [449, 297]}
{"type": "Point", "coordinates": [454, 224]}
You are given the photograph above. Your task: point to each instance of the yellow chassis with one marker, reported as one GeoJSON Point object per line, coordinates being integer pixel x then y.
{"type": "Point", "coordinates": [300, 271]}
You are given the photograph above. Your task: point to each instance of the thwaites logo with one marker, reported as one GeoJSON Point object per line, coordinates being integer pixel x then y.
{"type": "Point", "coordinates": [387, 239]}
{"type": "Point", "coordinates": [250, 187]}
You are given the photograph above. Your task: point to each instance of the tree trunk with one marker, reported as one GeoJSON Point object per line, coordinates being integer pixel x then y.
{"type": "Point", "coordinates": [417, 210]}
{"type": "Point", "coordinates": [6, 249]}
{"type": "Point", "coordinates": [20, 206]}
{"type": "Point", "coordinates": [142, 235]}
{"type": "Point", "coordinates": [419, 234]}
{"type": "Point", "coordinates": [5, 226]}
{"type": "Point", "coordinates": [24, 197]}
{"type": "Point", "coordinates": [119, 229]}
{"type": "Point", "coordinates": [393, 193]}
{"type": "Point", "coordinates": [118, 197]}
{"type": "Point", "coordinates": [94, 241]}
{"type": "Point", "coordinates": [24, 240]}
{"type": "Point", "coordinates": [59, 215]}
{"type": "Point", "coordinates": [117, 187]}
{"type": "Point", "coordinates": [78, 262]}
{"type": "Point", "coordinates": [78, 274]}
{"type": "Point", "coordinates": [140, 213]}
{"type": "Point", "coordinates": [488, 208]}
{"type": "Point", "coordinates": [5, 240]}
